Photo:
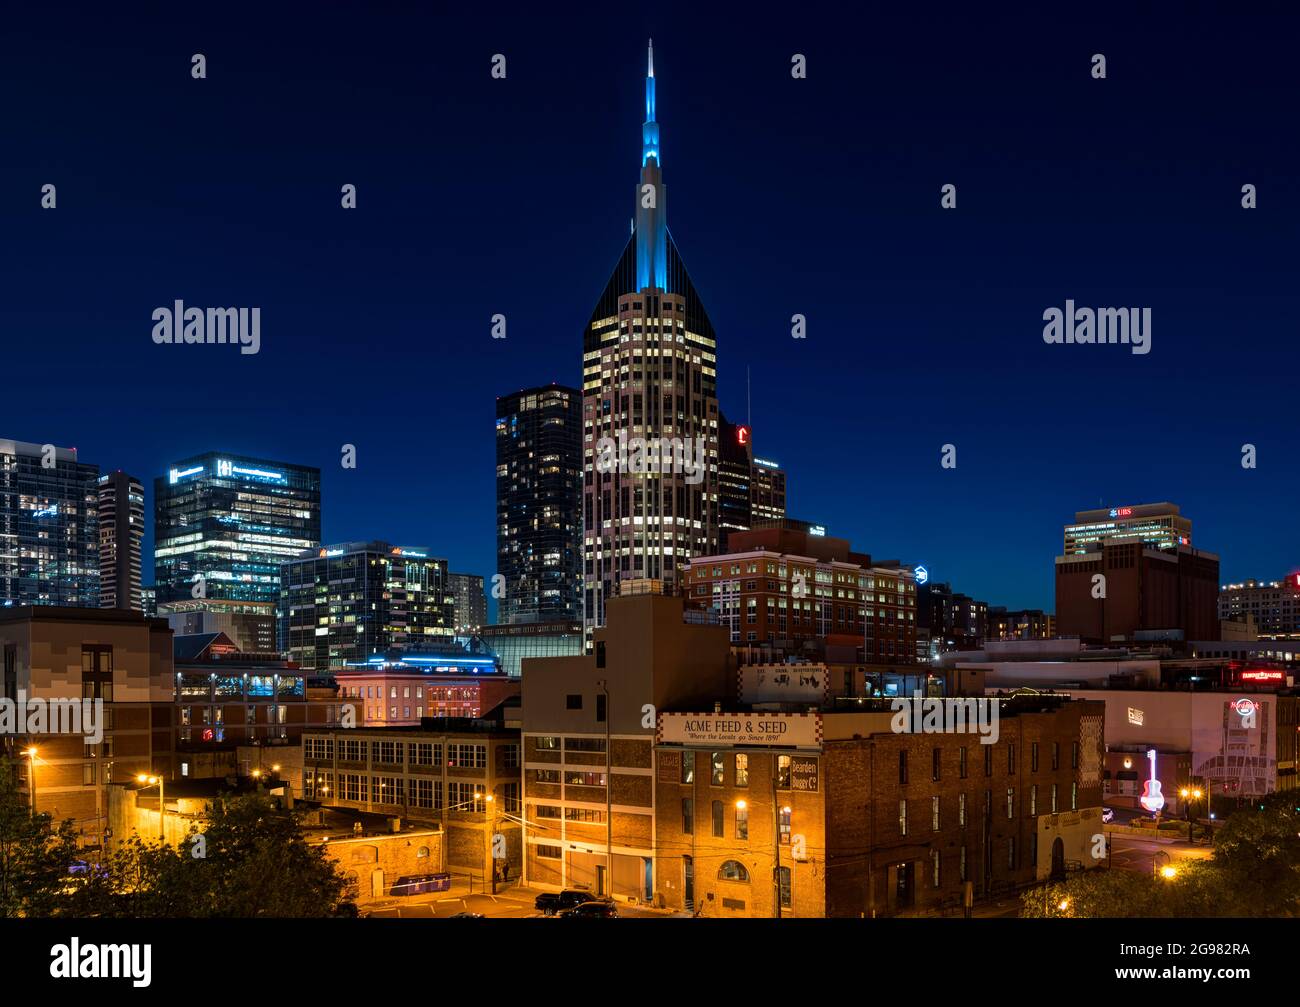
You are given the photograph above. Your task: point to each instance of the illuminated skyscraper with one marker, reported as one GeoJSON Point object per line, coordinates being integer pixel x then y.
{"type": "Point", "coordinates": [539, 505]}
{"type": "Point", "coordinates": [231, 520]}
{"type": "Point", "coordinates": [649, 375]}
{"type": "Point", "coordinates": [49, 526]}
{"type": "Point", "coordinates": [1156, 526]}
{"type": "Point", "coordinates": [121, 530]}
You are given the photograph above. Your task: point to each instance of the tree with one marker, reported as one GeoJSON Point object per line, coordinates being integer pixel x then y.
{"type": "Point", "coordinates": [257, 864]}
{"type": "Point", "coordinates": [1096, 893]}
{"type": "Point", "coordinates": [35, 856]}
{"type": "Point", "coordinates": [1257, 852]}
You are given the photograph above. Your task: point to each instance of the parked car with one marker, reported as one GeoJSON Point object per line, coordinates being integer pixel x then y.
{"type": "Point", "coordinates": [556, 902]}
{"type": "Point", "coordinates": [1107, 814]}
{"type": "Point", "coordinates": [591, 911]}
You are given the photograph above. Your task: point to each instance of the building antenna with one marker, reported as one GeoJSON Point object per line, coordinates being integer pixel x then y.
{"type": "Point", "coordinates": [749, 405]}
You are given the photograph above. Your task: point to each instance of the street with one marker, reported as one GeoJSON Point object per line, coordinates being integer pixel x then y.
{"type": "Point", "coordinates": [511, 904]}
{"type": "Point", "coordinates": [1140, 853]}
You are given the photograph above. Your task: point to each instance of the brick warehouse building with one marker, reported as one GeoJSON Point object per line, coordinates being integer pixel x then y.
{"type": "Point", "coordinates": [866, 821]}
{"type": "Point", "coordinates": [441, 771]}
{"type": "Point", "coordinates": [780, 586]}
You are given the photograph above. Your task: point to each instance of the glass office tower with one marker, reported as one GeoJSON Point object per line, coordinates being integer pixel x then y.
{"type": "Point", "coordinates": [345, 604]}
{"type": "Point", "coordinates": [231, 520]}
{"type": "Point", "coordinates": [49, 526]}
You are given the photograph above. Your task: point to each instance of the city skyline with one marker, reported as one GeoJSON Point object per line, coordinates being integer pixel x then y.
{"type": "Point", "coordinates": [808, 396]}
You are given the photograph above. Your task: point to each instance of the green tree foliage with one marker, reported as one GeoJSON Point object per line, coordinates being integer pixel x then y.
{"type": "Point", "coordinates": [35, 855]}
{"type": "Point", "coordinates": [1092, 894]}
{"type": "Point", "coordinates": [257, 864]}
{"type": "Point", "coordinates": [1255, 871]}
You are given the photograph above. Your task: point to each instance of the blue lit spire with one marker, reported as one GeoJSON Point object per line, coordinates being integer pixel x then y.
{"type": "Point", "coordinates": [650, 130]}
{"type": "Point", "coordinates": [651, 220]}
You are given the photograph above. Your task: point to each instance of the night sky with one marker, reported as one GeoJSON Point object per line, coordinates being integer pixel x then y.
{"type": "Point", "coordinates": [817, 196]}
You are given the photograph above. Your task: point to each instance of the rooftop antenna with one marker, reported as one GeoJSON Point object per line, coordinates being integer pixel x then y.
{"type": "Point", "coordinates": [749, 406]}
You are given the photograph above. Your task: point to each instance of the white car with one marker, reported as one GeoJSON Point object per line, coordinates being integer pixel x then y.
{"type": "Point", "coordinates": [1107, 814]}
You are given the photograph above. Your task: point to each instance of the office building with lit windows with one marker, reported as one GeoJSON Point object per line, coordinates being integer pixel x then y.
{"type": "Point", "coordinates": [121, 531]}
{"type": "Point", "coordinates": [223, 524]}
{"type": "Point", "coordinates": [649, 372]}
{"type": "Point", "coordinates": [779, 587]}
{"type": "Point", "coordinates": [1273, 605]}
{"type": "Point", "coordinates": [767, 492]}
{"type": "Point", "coordinates": [1155, 526]}
{"type": "Point", "coordinates": [49, 526]}
{"type": "Point", "coordinates": [735, 479]}
{"type": "Point", "coordinates": [344, 604]}
{"type": "Point", "coordinates": [539, 504]}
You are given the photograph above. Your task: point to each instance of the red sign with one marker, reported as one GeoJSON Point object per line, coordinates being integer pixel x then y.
{"type": "Point", "coordinates": [742, 435]}
{"type": "Point", "coordinates": [1261, 675]}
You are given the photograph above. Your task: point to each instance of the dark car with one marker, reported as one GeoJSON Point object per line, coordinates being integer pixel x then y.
{"type": "Point", "coordinates": [557, 902]}
{"type": "Point", "coordinates": [591, 911]}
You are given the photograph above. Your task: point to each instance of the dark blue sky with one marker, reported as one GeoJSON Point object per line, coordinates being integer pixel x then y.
{"type": "Point", "coordinates": [817, 196]}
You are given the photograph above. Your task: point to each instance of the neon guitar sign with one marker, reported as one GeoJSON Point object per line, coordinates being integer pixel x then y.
{"type": "Point", "coordinates": [1151, 798]}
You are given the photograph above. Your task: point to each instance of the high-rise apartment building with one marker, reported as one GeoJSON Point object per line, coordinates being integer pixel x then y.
{"type": "Point", "coordinates": [121, 531]}
{"type": "Point", "coordinates": [345, 604]}
{"type": "Point", "coordinates": [539, 504]}
{"type": "Point", "coordinates": [1155, 526]}
{"type": "Point", "coordinates": [49, 526]}
{"type": "Point", "coordinates": [650, 408]}
{"type": "Point", "coordinates": [469, 603]}
{"type": "Point", "coordinates": [224, 523]}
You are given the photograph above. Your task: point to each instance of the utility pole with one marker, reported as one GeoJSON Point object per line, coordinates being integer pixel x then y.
{"type": "Point", "coordinates": [609, 799]}
{"type": "Point", "coordinates": [776, 846]}
{"type": "Point", "coordinates": [31, 776]}
{"type": "Point", "coordinates": [1209, 810]}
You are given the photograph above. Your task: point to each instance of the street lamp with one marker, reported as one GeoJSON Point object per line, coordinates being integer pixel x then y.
{"type": "Point", "coordinates": [31, 776]}
{"type": "Point", "coordinates": [1189, 794]}
{"type": "Point", "coordinates": [162, 805]}
{"type": "Point", "coordinates": [490, 799]}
